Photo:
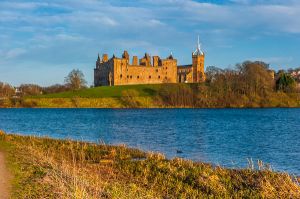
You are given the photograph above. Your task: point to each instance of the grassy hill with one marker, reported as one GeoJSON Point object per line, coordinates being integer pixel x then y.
{"type": "Point", "coordinates": [105, 92]}
{"type": "Point", "coordinates": [128, 96]}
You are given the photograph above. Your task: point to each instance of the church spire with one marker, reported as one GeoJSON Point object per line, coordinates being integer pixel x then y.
{"type": "Point", "coordinates": [199, 45]}
{"type": "Point", "coordinates": [198, 50]}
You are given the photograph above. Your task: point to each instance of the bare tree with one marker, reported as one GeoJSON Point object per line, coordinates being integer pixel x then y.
{"type": "Point", "coordinates": [75, 80]}
{"type": "Point", "coordinates": [6, 90]}
{"type": "Point", "coordinates": [212, 72]}
{"type": "Point", "coordinates": [30, 89]}
{"type": "Point", "coordinates": [256, 77]}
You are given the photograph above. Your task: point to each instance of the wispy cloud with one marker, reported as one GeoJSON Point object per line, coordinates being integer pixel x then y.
{"type": "Point", "coordinates": [65, 32]}
{"type": "Point", "coordinates": [12, 53]}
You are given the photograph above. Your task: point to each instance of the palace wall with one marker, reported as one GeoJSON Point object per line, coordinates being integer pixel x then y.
{"type": "Point", "coordinates": [184, 74]}
{"type": "Point", "coordinates": [125, 74]}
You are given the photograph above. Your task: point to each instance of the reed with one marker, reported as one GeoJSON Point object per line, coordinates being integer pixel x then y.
{"type": "Point", "coordinates": [50, 168]}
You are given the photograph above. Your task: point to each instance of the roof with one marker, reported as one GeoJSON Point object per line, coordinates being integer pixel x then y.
{"type": "Point", "coordinates": [198, 50]}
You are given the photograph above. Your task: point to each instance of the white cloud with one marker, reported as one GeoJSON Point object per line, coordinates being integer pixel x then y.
{"type": "Point", "coordinates": [239, 15]}
{"type": "Point", "coordinates": [155, 22]}
{"type": "Point", "coordinates": [67, 37]}
{"type": "Point", "coordinates": [12, 53]}
{"type": "Point", "coordinates": [273, 16]}
{"type": "Point", "coordinates": [22, 5]}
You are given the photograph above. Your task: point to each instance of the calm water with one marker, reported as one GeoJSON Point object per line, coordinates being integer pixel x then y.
{"type": "Point", "coordinates": [220, 136]}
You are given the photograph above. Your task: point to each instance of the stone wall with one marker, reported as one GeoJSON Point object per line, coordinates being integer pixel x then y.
{"type": "Point", "coordinates": [184, 74]}
{"type": "Point", "coordinates": [129, 74]}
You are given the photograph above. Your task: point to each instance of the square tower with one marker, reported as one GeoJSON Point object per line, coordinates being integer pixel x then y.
{"type": "Point", "coordinates": [198, 58]}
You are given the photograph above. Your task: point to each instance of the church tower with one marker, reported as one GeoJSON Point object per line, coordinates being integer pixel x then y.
{"type": "Point", "coordinates": [198, 64]}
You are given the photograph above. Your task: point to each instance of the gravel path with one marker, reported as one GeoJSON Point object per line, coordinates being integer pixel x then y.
{"type": "Point", "coordinates": [4, 178]}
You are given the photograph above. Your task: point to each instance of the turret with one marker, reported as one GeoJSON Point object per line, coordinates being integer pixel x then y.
{"type": "Point", "coordinates": [146, 60]}
{"type": "Point", "coordinates": [125, 55]}
{"type": "Point", "coordinates": [170, 56]}
{"type": "Point", "coordinates": [98, 59]}
{"type": "Point", "coordinates": [98, 62]}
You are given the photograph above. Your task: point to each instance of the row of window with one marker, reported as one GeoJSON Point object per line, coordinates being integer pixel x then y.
{"type": "Point", "coordinates": [155, 70]}
{"type": "Point", "coordinates": [130, 76]}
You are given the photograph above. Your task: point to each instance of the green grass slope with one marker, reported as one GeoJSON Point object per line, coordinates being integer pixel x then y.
{"type": "Point", "coordinates": [105, 92]}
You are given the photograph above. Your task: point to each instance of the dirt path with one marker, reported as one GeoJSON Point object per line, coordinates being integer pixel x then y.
{"type": "Point", "coordinates": [4, 179]}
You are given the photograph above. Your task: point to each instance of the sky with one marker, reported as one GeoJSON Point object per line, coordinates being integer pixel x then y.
{"type": "Point", "coordinates": [42, 41]}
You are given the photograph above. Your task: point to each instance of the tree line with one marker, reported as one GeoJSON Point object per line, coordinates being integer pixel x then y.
{"type": "Point", "coordinates": [249, 84]}
{"type": "Point", "coordinates": [74, 81]}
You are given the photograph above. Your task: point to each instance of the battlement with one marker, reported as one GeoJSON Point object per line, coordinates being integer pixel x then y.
{"type": "Point", "coordinates": [146, 60]}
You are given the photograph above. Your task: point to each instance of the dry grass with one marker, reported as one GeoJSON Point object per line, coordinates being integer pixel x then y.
{"type": "Point", "coordinates": [48, 168]}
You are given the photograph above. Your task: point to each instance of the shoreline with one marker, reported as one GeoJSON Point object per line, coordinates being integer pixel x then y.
{"type": "Point", "coordinates": [63, 166]}
{"type": "Point", "coordinates": [144, 151]}
{"type": "Point", "coordinates": [152, 108]}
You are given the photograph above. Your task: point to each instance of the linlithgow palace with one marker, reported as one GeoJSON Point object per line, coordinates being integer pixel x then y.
{"type": "Point", "coordinates": [121, 71]}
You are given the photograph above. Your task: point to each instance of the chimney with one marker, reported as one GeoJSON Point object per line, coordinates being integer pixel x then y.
{"type": "Point", "coordinates": [155, 60]}
{"type": "Point", "coordinates": [135, 60]}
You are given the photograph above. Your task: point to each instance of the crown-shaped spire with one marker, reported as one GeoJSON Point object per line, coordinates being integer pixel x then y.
{"type": "Point", "coordinates": [171, 55]}
{"type": "Point", "coordinates": [198, 50]}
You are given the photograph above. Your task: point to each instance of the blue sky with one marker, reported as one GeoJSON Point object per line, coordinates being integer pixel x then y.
{"type": "Point", "coordinates": [41, 41]}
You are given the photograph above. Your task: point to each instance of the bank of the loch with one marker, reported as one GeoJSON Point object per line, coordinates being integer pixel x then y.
{"type": "Point", "coordinates": [49, 168]}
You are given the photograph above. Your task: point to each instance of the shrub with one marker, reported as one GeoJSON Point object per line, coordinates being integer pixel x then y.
{"type": "Point", "coordinates": [177, 95]}
{"type": "Point", "coordinates": [285, 83]}
{"type": "Point", "coordinates": [129, 98]}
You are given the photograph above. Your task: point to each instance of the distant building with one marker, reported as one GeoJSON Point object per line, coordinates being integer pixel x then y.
{"type": "Point", "coordinates": [296, 74]}
{"type": "Point", "coordinates": [147, 70]}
